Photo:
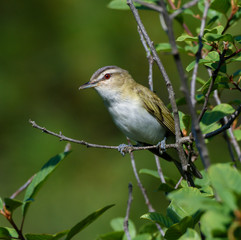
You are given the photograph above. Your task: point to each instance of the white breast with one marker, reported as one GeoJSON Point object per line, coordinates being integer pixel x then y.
{"type": "Point", "coordinates": [134, 120]}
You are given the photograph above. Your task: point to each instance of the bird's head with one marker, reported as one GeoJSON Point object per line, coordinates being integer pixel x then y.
{"type": "Point", "coordinates": [109, 77]}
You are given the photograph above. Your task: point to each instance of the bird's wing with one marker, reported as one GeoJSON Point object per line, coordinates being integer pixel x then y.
{"type": "Point", "coordinates": [154, 105]}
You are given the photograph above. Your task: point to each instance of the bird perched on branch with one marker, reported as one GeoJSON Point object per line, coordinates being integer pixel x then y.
{"type": "Point", "coordinates": [138, 112]}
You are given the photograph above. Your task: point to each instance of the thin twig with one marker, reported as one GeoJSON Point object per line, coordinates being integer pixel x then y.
{"type": "Point", "coordinates": [200, 143]}
{"type": "Point", "coordinates": [179, 182]}
{"type": "Point", "coordinates": [149, 57]}
{"type": "Point", "coordinates": [22, 188]}
{"type": "Point", "coordinates": [167, 80]}
{"type": "Point", "coordinates": [128, 149]}
{"type": "Point", "coordinates": [143, 190]}
{"type": "Point", "coordinates": [184, 7]}
{"type": "Point", "coordinates": [214, 76]}
{"type": "Point", "coordinates": [128, 212]}
{"type": "Point", "coordinates": [159, 169]}
{"type": "Point", "coordinates": [198, 54]}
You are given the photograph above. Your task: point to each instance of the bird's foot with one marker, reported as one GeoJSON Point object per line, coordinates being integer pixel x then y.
{"type": "Point", "coordinates": [124, 148]}
{"type": "Point", "coordinates": [162, 145]}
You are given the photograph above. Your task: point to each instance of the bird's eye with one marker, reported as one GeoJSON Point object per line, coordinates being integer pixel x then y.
{"type": "Point", "coordinates": [107, 76]}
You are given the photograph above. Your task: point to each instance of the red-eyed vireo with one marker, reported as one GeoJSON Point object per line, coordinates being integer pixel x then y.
{"type": "Point", "coordinates": [138, 112]}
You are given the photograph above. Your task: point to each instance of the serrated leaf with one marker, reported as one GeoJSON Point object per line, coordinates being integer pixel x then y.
{"type": "Point", "coordinates": [190, 234]}
{"type": "Point", "coordinates": [117, 224]}
{"type": "Point", "coordinates": [117, 235]}
{"type": "Point", "coordinates": [178, 229]}
{"type": "Point", "coordinates": [221, 5]}
{"type": "Point", "coordinates": [237, 133]}
{"type": "Point", "coordinates": [226, 181]}
{"type": "Point", "coordinates": [12, 204]}
{"type": "Point", "coordinates": [86, 221]}
{"type": "Point", "coordinates": [40, 178]}
{"type": "Point", "coordinates": [158, 218]}
{"type": "Point", "coordinates": [56, 236]}
{"type": "Point", "coordinates": [8, 233]}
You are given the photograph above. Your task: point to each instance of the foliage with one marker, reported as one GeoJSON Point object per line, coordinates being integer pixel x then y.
{"type": "Point", "coordinates": [212, 209]}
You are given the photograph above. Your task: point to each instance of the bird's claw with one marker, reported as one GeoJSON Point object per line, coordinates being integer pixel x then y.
{"type": "Point", "coordinates": [124, 148]}
{"type": "Point", "coordinates": [162, 145]}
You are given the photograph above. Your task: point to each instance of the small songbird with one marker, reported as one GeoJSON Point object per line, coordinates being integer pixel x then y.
{"type": "Point", "coordinates": [137, 111]}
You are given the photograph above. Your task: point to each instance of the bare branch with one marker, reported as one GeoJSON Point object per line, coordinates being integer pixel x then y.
{"type": "Point", "coordinates": [159, 169]}
{"type": "Point", "coordinates": [184, 87]}
{"type": "Point", "coordinates": [128, 149]}
{"type": "Point", "coordinates": [184, 7]}
{"type": "Point", "coordinates": [143, 190]}
{"type": "Point", "coordinates": [168, 84]}
{"type": "Point", "coordinates": [128, 236]}
{"type": "Point", "coordinates": [149, 57]}
{"type": "Point", "coordinates": [199, 54]}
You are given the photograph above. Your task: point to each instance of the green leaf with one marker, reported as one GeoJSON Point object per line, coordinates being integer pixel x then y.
{"type": "Point", "coordinates": [217, 113]}
{"type": "Point", "coordinates": [187, 38]}
{"type": "Point", "coordinates": [1, 204]}
{"type": "Point", "coordinates": [122, 5]}
{"type": "Point", "coordinates": [215, 222]}
{"type": "Point", "coordinates": [56, 236]}
{"type": "Point", "coordinates": [212, 57]}
{"type": "Point", "coordinates": [158, 218]}
{"type": "Point", "coordinates": [12, 204]}
{"type": "Point", "coordinates": [237, 39]}
{"type": "Point", "coordinates": [8, 233]}
{"type": "Point", "coordinates": [190, 234]}
{"type": "Point", "coordinates": [204, 184]}
{"type": "Point", "coordinates": [226, 181]}
{"type": "Point", "coordinates": [145, 236]}
{"type": "Point", "coordinates": [166, 47]}
{"type": "Point", "coordinates": [237, 133]}
{"type": "Point", "coordinates": [148, 228]}
{"type": "Point", "coordinates": [178, 229]}
{"type": "Point", "coordinates": [40, 178]}
{"type": "Point", "coordinates": [221, 6]}
{"type": "Point", "coordinates": [118, 235]}
{"type": "Point", "coordinates": [218, 30]}
{"type": "Point", "coordinates": [87, 221]}
{"type": "Point", "coordinates": [150, 172]}
{"type": "Point", "coordinates": [117, 224]}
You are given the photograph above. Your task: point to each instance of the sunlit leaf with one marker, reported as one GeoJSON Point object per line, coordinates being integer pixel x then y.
{"type": "Point", "coordinates": [150, 172]}
{"type": "Point", "coordinates": [186, 37]}
{"type": "Point", "coordinates": [158, 218]}
{"type": "Point", "coordinates": [118, 235]}
{"type": "Point", "coordinates": [237, 133]}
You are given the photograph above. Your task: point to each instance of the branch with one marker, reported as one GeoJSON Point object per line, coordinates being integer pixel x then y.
{"type": "Point", "coordinates": [214, 76]}
{"type": "Point", "coordinates": [201, 146]}
{"type": "Point", "coordinates": [184, 7]}
{"type": "Point", "coordinates": [128, 149]}
{"type": "Point", "coordinates": [143, 190]}
{"type": "Point", "coordinates": [128, 236]}
{"type": "Point", "coordinates": [198, 54]}
{"type": "Point", "coordinates": [168, 83]}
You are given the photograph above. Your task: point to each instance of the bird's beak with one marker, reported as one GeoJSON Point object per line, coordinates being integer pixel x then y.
{"type": "Point", "coordinates": [88, 85]}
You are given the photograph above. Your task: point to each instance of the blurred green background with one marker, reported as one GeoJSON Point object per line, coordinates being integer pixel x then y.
{"type": "Point", "coordinates": [48, 49]}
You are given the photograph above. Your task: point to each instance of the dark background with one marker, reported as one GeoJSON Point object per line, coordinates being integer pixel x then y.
{"type": "Point", "coordinates": [48, 49]}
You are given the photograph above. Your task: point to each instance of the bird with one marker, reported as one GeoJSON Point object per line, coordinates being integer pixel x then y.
{"type": "Point", "coordinates": [137, 111]}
